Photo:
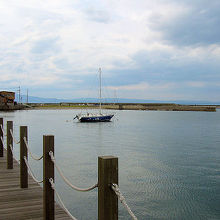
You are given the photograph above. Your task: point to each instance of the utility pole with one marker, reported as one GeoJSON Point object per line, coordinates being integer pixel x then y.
{"type": "Point", "coordinates": [19, 92]}
{"type": "Point", "coordinates": [27, 96]}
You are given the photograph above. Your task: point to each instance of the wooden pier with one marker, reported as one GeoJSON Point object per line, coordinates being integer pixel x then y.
{"type": "Point", "coordinates": [21, 203]}
{"type": "Point", "coordinates": [21, 196]}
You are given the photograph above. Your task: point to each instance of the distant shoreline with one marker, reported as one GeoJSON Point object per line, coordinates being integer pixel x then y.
{"type": "Point", "coordinates": [114, 106]}
{"type": "Point", "coordinates": [126, 106]}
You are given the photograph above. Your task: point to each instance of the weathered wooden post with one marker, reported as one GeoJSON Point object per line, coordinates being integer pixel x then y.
{"type": "Point", "coordinates": [1, 138]}
{"type": "Point", "coordinates": [23, 153]}
{"type": "Point", "coordinates": [48, 172]}
{"type": "Point", "coordinates": [9, 143]}
{"type": "Point", "coordinates": [107, 200]}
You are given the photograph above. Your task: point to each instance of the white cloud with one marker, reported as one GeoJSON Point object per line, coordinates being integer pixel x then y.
{"type": "Point", "coordinates": [196, 84]}
{"type": "Point", "coordinates": [143, 86]}
{"type": "Point", "coordinates": [59, 40]}
{"type": "Point", "coordinates": [85, 43]}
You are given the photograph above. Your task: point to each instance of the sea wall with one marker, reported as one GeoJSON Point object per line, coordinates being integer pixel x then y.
{"type": "Point", "coordinates": [161, 107]}
{"type": "Point", "coordinates": [126, 106]}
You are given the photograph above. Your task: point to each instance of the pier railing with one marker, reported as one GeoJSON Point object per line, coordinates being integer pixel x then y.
{"type": "Point", "coordinates": [108, 189]}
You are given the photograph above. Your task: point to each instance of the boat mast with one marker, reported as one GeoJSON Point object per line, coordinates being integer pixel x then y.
{"type": "Point", "coordinates": [100, 91]}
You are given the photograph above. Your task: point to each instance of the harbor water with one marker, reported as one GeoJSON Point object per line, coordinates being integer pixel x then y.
{"type": "Point", "coordinates": [169, 162]}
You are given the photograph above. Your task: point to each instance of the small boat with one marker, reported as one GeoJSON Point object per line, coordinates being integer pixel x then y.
{"type": "Point", "coordinates": [99, 117]}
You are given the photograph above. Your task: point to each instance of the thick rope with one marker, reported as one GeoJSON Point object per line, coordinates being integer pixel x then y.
{"type": "Point", "coordinates": [16, 142]}
{"type": "Point", "coordinates": [29, 151]}
{"type": "Point", "coordinates": [11, 148]}
{"type": "Point", "coordinates": [58, 196]}
{"type": "Point", "coordinates": [3, 142]}
{"type": "Point", "coordinates": [66, 180]}
{"type": "Point", "coordinates": [31, 172]}
{"type": "Point", "coordinates": [3, 130]}
{"type": "Point", "coordinates": [115, 188]}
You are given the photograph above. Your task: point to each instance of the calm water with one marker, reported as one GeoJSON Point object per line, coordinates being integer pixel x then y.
{"type": "Point", "coordinates": [169, 162]}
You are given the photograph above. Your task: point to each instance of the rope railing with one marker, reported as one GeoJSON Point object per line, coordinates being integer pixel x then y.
{"type": "Point", "coordinates": [59, 198]}
{"type": "Point", "coordinates": [16, 142]}
{"type": "Point", "coordinates": [67, 181]}
{"type": "Point", "coordinates": [29, 151]}
{"type": "Point", "coordinates": [3, 131]}
{"type": "Point", "coordinates": [31, 172]}
{"type": "Point", "coordinates": [11, 148]}
{"type": "Point", "coordinates": [115, 188]}
{"type": "Point", "coordinates": [2, 140]}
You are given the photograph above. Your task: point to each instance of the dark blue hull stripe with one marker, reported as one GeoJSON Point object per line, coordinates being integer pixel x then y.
{"type": "Point", "coordinates": [96, 118]}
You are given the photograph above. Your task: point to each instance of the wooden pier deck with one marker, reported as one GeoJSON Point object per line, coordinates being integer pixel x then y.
{"type": "Point", "coordinates": [21, 204]}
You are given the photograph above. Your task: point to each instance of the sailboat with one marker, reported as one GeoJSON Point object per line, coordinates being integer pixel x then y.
{"type": "Point", "coordinates": [99, 117]}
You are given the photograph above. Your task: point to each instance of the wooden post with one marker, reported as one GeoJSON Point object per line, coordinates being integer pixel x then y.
{"type": "Point", "coordinates": [9, 142]}
{"type": "Point", "coordinates": [48, 172]}
{"type": "Point", "coordinates": [1, 138]}
{"type": "Point", "coordinates": [107, 200]}
{"type": "Point", "coordinates": [23, 153]}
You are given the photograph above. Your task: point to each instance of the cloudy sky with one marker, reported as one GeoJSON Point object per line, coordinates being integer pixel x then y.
{"type": "Point", "coordinates": [161, 49]}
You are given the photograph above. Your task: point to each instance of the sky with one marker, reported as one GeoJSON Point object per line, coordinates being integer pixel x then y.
{"type": "Point", "coordinates": [155, 50]}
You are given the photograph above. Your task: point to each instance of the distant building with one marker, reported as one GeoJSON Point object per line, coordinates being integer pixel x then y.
{"type": "Point", "coordinates": [7, 97]}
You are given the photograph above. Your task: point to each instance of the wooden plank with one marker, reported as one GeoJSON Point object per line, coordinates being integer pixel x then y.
{"type": "Point", "coordinates": [21, 203]}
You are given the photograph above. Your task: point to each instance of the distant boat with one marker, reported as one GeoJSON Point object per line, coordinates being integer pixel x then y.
{"type": "Point", "coordinates": [99, 117]}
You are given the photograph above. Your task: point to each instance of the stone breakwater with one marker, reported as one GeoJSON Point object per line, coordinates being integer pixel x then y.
{"type": "Point", "coordinates": [127, 106]}
{"type": "Point", "coordinates": [166, 107]}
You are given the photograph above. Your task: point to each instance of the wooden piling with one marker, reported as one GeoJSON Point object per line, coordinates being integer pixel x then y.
{"type": "Point", "coordinates": [107, 200]}
{"type": "Point", "coordinates": [1, 138]}
{"type": "Point", "coordinates": [48, 172]}
{"type": "Point", "coordinates": [23, 153]}
{"type": "Point", "coordinates": [9, 143]}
